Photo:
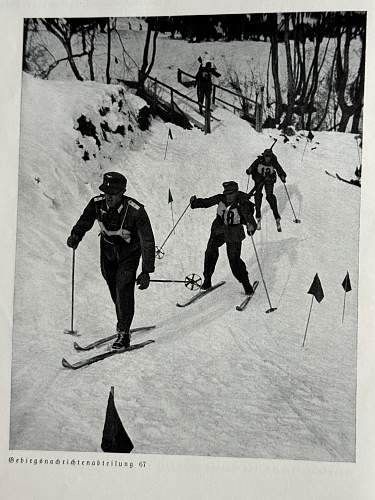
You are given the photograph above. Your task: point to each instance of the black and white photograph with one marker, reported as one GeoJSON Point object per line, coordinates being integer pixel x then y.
{"type": "Point", "coordinates": [187, 243]}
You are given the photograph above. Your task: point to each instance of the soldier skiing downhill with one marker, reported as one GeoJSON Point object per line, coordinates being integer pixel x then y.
{"type": "Point", "coordinates": [233, 210]}
{"type": "Point", "coordinates": [263, 172]}
{"type": "Point", "coordinates": [125, 235]}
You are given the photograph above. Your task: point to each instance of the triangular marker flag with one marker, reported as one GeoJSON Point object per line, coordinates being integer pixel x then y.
{"type": "Point", "coordinates": [310, 136]}
{"type": "Point", "coordinates": [346, 283]}
{"type": "Point", "coordinates": [170, 134]}
{"type": "Point", "coordinates": [170, 199]}
{"type": "Point", "coordinates": [316, 289]}
{"type": "Point", "coordinates": [115, 438]}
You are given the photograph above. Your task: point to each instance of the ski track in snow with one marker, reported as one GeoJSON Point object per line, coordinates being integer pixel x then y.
{"type": "Point", "coordinates": [216, 381]}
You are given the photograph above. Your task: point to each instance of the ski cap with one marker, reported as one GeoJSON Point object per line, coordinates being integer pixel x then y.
{"type": "Point", "coordinates": [113, 183]}
{"type": "Point", "coordinates": [230, 187]}
{"type": "Point", "coordinates": [268, 152]}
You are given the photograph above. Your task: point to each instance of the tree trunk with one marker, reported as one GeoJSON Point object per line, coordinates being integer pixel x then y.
{"type": "Point", "coordinates": [90, 56]}
{"type": "Point", "coordinates": [359, 88]}
{"type": "Point", "coordinates": [146, 66]}
{"type": "Point", "coordinates": [291, 89]}
{"type": "Point", "coordinates": [275, 66]}
{"type": "Point", "coordinates": [26, 23]}
{"type": "Point", "coordinates": [142, 71]}
{"type": "Point", "coordinates": [71, 60]}
{"type": "Point", "coordinates": [342, 72]}
{"type": "Point", "coordinates": [107, 70]}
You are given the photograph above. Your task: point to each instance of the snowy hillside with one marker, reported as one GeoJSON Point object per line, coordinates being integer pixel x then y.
{"type": "Point", "coordinates": [216, 381]}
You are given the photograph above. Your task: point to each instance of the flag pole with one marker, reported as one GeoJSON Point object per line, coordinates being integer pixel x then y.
{"type": "Point", "coordinates": [174, 232]}
{"type": "Point", "coordinates": [308, 320]}
{"type": "Point", "coordinates": [303, 154]}
{"type": "Point", "coordinates": [343, 309]}
{"type": "Point", "coordinates": [166, 147]}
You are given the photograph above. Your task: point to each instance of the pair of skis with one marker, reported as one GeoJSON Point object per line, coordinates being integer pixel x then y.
{"type": "Point", "coordinates": [104, 340]}
{"type": "Point", "coordinates": [203, 293]}
{"type": "Point", "coordinates": [106, 354]}
{"type": "Point", "coordinates": [339, 178]}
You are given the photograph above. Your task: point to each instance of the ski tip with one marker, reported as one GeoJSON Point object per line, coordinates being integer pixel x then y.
{"type": "Point", "coordinates": [77, 347]}
{"type": "Point", "coordinates": [66, 363]}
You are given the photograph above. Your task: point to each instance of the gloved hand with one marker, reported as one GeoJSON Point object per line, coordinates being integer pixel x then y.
{"type": "Point", "coordinates": [192, 200]}
{"type": "Point", "coordinates": [143, 281]}
{"type": "Point", "coordinates": [248, 171]}
{"type": "Point", "coordinates": [250, 229]}
{"type": "Point", "coordinates": [283, 179]}
{"type": "Point", "coordinates": [73, 241]}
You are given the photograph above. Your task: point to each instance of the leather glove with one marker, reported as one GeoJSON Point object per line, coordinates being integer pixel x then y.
{"type": "Point", "coordinates": [192, 200]}
{"type": "Point", "coordinates": [283, 179]}
{"type": "Point", "coordinates": [248, 171]}
{"type": "Point", "coordinates": [143, 281]}
{"type": "Point", "coordinates": [73, 241]}
{"type": "Point", "coordinates": [250, 229]}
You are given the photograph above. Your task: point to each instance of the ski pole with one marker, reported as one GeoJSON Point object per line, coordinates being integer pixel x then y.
{"type": "Point", "coordinates": [271, 309]}
{"type": "Point", "coordinates": [72, 331]}
{"type": "Point", "coordinates": [192, 281]}
{"type": "Point", "coordinates": [274, 142]}
{"type": "Point", "coordinates": [159, 249]}
{"type": "Point", "coordinates": [297, 221]}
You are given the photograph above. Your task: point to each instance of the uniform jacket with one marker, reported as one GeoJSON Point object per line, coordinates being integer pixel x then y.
{"type": "Point", "coordinates": [229, 217]}
{"type": "Point", "coordinates": [203, 78]}
{"type": "Point", "coordinates": [125, 231]}
{"type": "Point", "coordinates": [265, 172]}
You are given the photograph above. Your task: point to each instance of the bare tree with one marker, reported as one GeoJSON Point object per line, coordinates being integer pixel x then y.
{"type": "Point", "coordinates": [350, 101]}
{"type": "Point", "coordinates": [63, 30]}
{"type": "Point", "coordinates": [273, 30]}
{"type": "Point", "coordinates": [147, 66]}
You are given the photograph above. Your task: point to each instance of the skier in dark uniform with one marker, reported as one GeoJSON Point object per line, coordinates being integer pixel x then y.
{"type": "Point", "coordinates": [203, 82]}
{"type": "Point", "coordinates": [125, 235]}
{"type": "Point", "coordinates": [263, 171]}
{"type": "Point", "coordinates": [233, 210]}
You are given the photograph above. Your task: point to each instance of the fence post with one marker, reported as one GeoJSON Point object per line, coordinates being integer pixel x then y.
{"type": "Point", "coordinates": [256, 111]}
{"type": "Point", "coordinates": [178, 75]}
{"type": "Point", "coordinates": [261, 108]}
{"type": "Point", "coordinates": [213, 94]}
{"type": "Point", "coordinates": [207, 113]}
{"type": "Point", "coordinates": [172, 106]}
{"type": "Point", "coordinates": [154, 99]}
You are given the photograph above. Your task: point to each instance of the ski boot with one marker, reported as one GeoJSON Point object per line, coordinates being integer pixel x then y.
{"type": "Point", "coordinates": [248, 289]}
{"type": "Point", "coordinates": [122, 341]}
{"type": "Point", "coordinates": [206, 284]}
{"type": "Point", "coordinates": [278, 225]}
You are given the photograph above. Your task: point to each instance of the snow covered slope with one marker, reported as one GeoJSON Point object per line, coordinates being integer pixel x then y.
{"type": "Point", "coordinates": [216, 381]}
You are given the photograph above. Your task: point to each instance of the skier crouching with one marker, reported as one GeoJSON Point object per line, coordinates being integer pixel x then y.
{"type": "Point", "coordinates": [263, 171]}
{"type": "Point", "coordinates": [233, 210]}
{"type": "Point", "coordinates": [125, 235]}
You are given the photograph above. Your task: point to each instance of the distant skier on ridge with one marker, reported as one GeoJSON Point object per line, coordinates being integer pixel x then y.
{"type": "Point", "coordinates": [125, 235]}
{"type": "Point", "coordinates": [263, 172]}
{"type": "Point", "coordinates": [233, 210]}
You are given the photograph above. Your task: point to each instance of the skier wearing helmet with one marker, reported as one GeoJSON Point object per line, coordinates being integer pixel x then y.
{"type": "Point", "coordinates": [263, 172]}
